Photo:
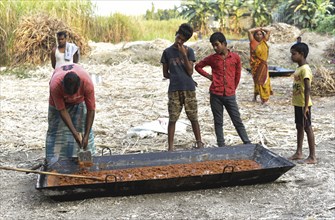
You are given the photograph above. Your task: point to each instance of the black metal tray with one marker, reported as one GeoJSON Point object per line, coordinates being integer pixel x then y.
{"type": "Point", "coordinates": [272, 167]}
{"type": "Point", "coordinates": [275, 71]}
{"type": "Point", "coordinates": [279, 71]}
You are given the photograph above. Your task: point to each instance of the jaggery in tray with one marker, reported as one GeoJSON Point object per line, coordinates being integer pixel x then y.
{"type": "Point", "coordinates": [131, 174]}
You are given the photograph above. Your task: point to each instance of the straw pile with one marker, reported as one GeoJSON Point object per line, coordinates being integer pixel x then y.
{"type": "Point", "coordinates": [330, 51]}
{"type": "Point", "coordinates": [283, 33]}
{"type": "Point", "coordinates": [148, 52]}
{"type": "Point", "coordinates": [35, 37]}
{"type": "Point", "coordinates": [3, 39]}
{"type": "Point", "coordinates": [324, 82]}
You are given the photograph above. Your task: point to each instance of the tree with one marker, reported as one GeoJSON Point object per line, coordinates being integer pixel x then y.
{"type": "Point", "coordinates": [261, 15]}
{"type": "Point", "coordinates": [149, 14]}
{"type": "Point", "coordinates": [307, 13]}
{"type": "Point", "coordinates": [197, 12]}
{"type": "Point", "coordinates": [228, 13]}
{"type": "Point", "coordinates": [237, 9]}
{"type": "Point", "coordinates": [221, 12]}
{"type": "Point", "coordinates": [161, 14]}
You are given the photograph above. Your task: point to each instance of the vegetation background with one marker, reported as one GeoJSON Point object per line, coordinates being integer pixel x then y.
{"type": "Point", "coordinates": [233, 17]}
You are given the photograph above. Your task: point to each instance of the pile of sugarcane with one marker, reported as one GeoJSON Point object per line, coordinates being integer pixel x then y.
{"type": "Point", "coordinates": [35, 37]}
{"type": "Point", "coordinates": [330, 52]}
{"type": "Point", "coordinates": [323, 83]}
{"type": "Point", "coordinates": [283, 33]}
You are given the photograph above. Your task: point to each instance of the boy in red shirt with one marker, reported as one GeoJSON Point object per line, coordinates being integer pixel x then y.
{"type": "Point", "coordinates": [226, 73]}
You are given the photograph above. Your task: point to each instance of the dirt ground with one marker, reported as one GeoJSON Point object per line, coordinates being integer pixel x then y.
{"type": "Point", "coordinates": [129, 94]}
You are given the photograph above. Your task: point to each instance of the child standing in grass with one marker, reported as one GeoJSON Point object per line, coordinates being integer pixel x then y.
{"type": "Point", "coordinates": [301, 100]}
{"type": "Point", "coordinates": [177, 63]}
{"type": "Point", "coordinates": [226, 73]}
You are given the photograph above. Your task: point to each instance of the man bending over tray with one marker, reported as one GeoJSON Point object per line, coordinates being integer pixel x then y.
{"type": "Point", "coordinates": [71, 112]}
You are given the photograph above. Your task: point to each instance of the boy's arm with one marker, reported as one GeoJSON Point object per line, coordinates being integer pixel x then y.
{"type": "Point", "coordinates": [307, 94]}
{"type": "Point", "coordinates": [166, 73]}
{"type": "Point", "coordinates": [199, 68]}
{"type": "Point", "coordinates": [187, 63]}
{"type": "Point", "coordinates": [238, 71]}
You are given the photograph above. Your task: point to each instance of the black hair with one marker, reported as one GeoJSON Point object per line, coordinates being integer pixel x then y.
{"type": "Point", "coordinates": [263, 33]}
{"type": "Point", "coordinates": [301, 48]}
{"type": "Point", "coordinates": [71, 83]}
{"type": "Point", "coordinates": [61, 33]}
{"type": "Point", "coordinates": [186, 30]}
{"type": "Point", "coordinates": [218, 36]}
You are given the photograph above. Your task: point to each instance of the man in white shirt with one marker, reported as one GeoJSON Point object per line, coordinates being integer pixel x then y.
{"type": "Point", "coordinates": [65, 53]}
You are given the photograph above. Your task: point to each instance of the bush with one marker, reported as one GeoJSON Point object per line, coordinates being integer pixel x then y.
{"type": "Point", "coordinates": [326, 25]}
{"type": "Point", "coordinates": [115, 28]}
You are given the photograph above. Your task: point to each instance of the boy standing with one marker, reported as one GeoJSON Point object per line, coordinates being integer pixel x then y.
{"type": "Point", "coordinates": [302, 102]}
{"type": "Point", "coordinates": [226, 74]}
{"type": "Point", "coordinates": [177, 63]}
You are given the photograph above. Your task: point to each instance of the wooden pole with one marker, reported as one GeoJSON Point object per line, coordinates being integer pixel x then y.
{"type": "Point", "coordinates": [52, 173]}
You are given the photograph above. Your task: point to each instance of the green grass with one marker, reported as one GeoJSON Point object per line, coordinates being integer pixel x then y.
{"type": "Point", "coordinates": [153, 29]}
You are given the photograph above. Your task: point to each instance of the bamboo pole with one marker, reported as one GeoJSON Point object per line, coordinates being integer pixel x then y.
{"type": "Point", "coordinates": [52, 173]}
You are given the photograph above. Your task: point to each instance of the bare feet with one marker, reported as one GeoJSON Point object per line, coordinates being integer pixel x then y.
{"type": "Point", "coordinates": [255, 98]}
{"type": "Point", "coordinates": [310, 160]}
{"type": "Point", "coordinates": [198, 145]}
{"type": "Point", "coordinates": [295, 156]}
{"type": "Point", "coordinates": [265, 103]}
{"type": "Point", "coordinates": [170, 149]}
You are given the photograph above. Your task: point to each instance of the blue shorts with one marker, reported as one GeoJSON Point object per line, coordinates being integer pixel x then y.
{"type": "Point", "coordinates": [299, 116]}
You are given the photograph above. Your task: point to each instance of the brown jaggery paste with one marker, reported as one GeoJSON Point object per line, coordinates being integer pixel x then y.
{"type": "Point", "coordinates": [158, 172]}
{"type": "Point", "coordinates": [83, 164]}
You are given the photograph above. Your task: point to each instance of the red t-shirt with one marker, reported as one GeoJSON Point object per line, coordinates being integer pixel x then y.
{"type": "Point", "coordinates": [226, 73]}
{"type": "Point", "coordinates": [60, 99]}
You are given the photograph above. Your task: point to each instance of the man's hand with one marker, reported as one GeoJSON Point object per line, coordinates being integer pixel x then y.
{"type": "Point", "coordinates": [84, 142]}
{"type": "Point", "coordinates": [67, 120]}
{"type": "Point", "coordinates": [79, 139]}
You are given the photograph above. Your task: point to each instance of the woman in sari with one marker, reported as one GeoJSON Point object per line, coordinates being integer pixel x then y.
{"type": "Point", "coordinates": [259, 52]}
